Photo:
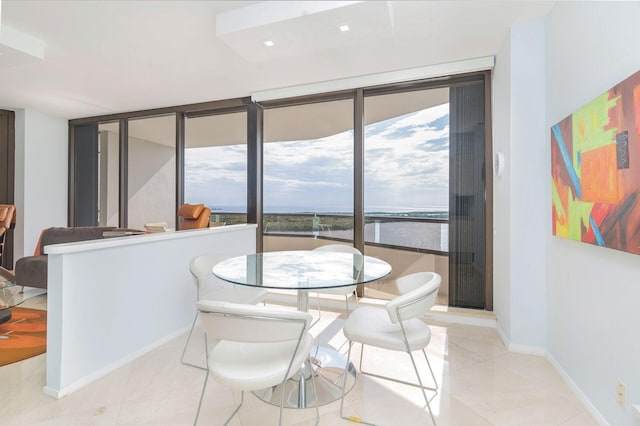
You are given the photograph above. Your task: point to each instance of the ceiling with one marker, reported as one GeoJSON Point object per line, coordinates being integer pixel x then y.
{"type": "Point", "coordinates": [74, 59]}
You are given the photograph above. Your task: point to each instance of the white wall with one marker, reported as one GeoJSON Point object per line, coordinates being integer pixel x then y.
{"type": "Point", "coordinates": [501, 110]}
{"type": "Point", "coordinates": [520, 194]}
{"type": "Point", "coordinates": [41, 177]}
{"type": "Point", "coordinates": [592, 292]}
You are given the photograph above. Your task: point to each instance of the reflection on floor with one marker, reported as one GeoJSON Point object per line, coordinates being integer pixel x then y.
{"type": "Point", "coordinates": [481, 383]}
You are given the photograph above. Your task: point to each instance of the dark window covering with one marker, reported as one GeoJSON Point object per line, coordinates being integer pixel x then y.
{"type": "Point", "coordinates": [466, 196]}
{"type": "Point", "coordinates": [86, 176]}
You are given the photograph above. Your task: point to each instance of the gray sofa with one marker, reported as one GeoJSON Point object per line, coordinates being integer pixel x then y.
{"type": "Point", "coordinates": [31, 271]}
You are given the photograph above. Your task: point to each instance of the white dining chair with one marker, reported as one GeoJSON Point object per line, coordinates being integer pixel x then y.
{"type": "Point", "coordinates": [341, 291]}
{"type": "Point", "coordinates": [253, 347]}
{"type": "Point", "coordinates": [201, 270]}
{"type": "Point", "coordinates": [398, 326]}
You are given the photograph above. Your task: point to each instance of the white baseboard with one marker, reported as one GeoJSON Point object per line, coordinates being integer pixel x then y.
{"type": "Point", "coordinates": [535, 350]}
{"type": "Point", "coordinates": [502, 335]}
{"type": "Point", "coordinates": [520, 349]}
{"type": "Point", "coordinates": [527, 349]}
{"type": "Point", "coordinates": [578, 392]}
{"type": "Point", "coordinates": [462, 319]}
{"type": "Point", "coordinates": [72, 387]}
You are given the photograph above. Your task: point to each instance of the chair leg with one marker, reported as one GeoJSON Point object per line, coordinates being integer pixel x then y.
{"type": "Point", "coordinates": [184, 351]}
{"type": "Point", "coordinates": [415, 368]}
{"type": "Point", "coordinates": [362, 371]}
{"type": "Point", "coordinates": [204, 387]}
{"type": "Point", "coordinates": [319, 311]}
{"type": "Point", "coordinates": [315, 390]}
{"type": "Point", "coordinates": [236, 410]}
{"type": "Point", "coordinates": [353, 419]}
{"type": "Point", "coordinates": [344, 381]}
{"type": "Point", "coordinates": [420, 385]}
{"type": "Point", "coordinates": [433, 376]}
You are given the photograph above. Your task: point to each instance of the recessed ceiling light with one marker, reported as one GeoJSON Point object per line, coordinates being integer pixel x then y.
{"type": "Point", "coordinates": [268, 43]}
{"type": "Point", "coordinates": [344, 28]}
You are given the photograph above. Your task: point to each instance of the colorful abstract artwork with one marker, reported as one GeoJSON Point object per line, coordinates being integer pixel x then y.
{"type": "Point", "coordinates": [595, 170]}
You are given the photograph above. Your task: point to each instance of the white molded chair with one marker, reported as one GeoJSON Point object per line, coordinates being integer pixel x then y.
{"type": "Point", "coordinates": [341, 291]}
{"type": "Point", "coordinates": [201, 269]}
{"type": "Point", "coordinates": [397, 327]}
{"type": "Point", "coordinates": [255, 347]}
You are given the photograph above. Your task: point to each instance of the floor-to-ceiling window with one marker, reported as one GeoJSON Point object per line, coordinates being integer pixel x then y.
{"type": "Point", "coordinates": [406, 182]}
{"type": "Point", "coordinates": [308, 170]}
{"type": "Point", "coordinates": [215, 165]}
{"type": "Point", "coordinates": [151, 171]}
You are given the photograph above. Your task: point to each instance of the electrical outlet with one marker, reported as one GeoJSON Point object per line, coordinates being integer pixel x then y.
{"type": "Point", "coordinates": [621, 394]}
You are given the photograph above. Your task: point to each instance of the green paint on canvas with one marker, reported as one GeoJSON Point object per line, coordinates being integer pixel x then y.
{"type": "Point", "coordinates": [557, 202]}
{"type": "Point", "coordinates": [579, 212]}
{"type": "Point", "coordinates": [588, 127]}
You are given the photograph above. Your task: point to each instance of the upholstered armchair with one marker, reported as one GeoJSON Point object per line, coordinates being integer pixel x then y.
{"type": "Point", "coordinates": [193, 216]}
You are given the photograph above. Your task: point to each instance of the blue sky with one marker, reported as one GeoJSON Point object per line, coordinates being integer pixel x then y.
{"type": "Point", "coordinates": [406, 168]}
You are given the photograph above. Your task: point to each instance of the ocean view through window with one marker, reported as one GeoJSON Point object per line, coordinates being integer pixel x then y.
{"type": "Point", "coordinates": [406, 180]}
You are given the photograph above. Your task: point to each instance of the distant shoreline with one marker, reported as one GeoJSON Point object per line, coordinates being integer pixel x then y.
{"type": "Point", "coordinates": [327, 211]}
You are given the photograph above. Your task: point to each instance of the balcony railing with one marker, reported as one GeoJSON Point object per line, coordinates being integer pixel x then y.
{"type": "Point", "coordinates": [422, 234]}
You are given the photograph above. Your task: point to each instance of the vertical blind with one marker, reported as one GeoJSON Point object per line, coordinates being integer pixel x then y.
{"type": "Point", "coordinates": [467, 196]}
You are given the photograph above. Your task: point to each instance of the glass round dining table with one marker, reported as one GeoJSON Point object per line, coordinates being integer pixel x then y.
{"type": "Point", "coordinates": [305, 271]}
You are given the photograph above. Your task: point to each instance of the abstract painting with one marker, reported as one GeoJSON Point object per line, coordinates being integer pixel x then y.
{"type": "Point", "coordinates": [595, 170]}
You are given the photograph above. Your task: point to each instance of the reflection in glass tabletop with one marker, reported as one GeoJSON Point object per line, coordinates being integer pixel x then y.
{"type": "Point", "coordinates": [301, 270]}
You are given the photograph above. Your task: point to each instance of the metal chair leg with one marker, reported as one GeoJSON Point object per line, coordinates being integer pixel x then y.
{"type": "Point", "coordinates": [415, 368]}
{"type": "Point", "coordinates": [353, 419]}
{"type": "Point", "coordinates": [362, 371]}
{"type": "Point", "coordinates": [236, 410]}
{"type": "Point", "coordinates": [418, 385]}
{"type": "Point", "coordinates": [315, 391]}
{"type": "Point", "coordinates": [344, 382]}
{"type": "Point", "coordinates": [346, 306]}
{"type": "Point", "coordinates": [204, 387]}
{"type": "Point", "coordinates": [319, 311]}
{"type": "Point", "coordinates": [433, 376]}
{"type": "Point", "coordinates": [184, 351]}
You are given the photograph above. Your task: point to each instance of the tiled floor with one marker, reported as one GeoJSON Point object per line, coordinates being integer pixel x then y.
{"type": "Point", "coordinates": [480, 384]}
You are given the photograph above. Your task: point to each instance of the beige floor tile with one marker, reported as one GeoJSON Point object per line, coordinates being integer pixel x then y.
{"type": "Point", "coordinates": [582, 419]}
{"type": "Point", "coordinates": [481, 383]}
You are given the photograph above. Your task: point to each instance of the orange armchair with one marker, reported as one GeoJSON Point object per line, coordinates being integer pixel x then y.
{"type": "Point", "coordinates": [193, 216]}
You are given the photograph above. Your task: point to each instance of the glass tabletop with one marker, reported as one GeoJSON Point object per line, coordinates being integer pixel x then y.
{"type": "Point", "coordinates": [301, 270]}
{"type": "Point", "coordinates": [10, 294]}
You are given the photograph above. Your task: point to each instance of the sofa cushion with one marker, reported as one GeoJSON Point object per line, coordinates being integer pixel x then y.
{"type": "Point", "coordinates": [72, 235]}
{"type": "Point", "coordinates": [32, 271]}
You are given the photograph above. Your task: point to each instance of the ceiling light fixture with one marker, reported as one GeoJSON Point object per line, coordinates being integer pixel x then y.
{"type": "Point", "coordinates": [268, 43]}
{"type": "Point", "coordinates": [344, 28]}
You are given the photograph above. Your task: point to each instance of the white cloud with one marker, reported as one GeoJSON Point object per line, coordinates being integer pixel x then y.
{"type": "Point", "coordinates": [406, 164]}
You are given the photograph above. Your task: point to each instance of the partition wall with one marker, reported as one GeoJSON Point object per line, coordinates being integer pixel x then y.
{"type": "Point", "coordinates": [398, 166]}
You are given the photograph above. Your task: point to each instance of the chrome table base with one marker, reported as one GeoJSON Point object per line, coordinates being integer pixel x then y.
{"type": "Point", "coordinates": [304, 391]}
